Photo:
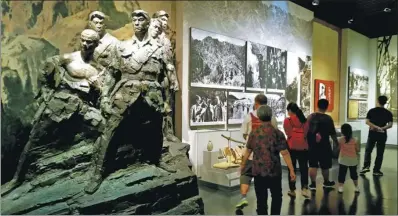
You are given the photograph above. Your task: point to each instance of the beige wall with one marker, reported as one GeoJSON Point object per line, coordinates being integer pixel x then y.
{"type": "Point", "coordinates": [325, 61]}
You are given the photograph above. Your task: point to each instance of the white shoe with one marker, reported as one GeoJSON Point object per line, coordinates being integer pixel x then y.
{"type": "Point", "coordinates": [306, 193]}
{"type": "Point", "coordinates": [357, 189]}
{"type": "Point", "coordinates": [341, 189]}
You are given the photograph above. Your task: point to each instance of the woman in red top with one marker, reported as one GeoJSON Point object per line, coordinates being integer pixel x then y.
{"type": "Point", "coordinates": [298, 147]}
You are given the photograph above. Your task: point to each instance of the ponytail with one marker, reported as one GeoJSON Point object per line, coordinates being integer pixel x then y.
{"type": "Point", "coordinates": [346, 130]}
{"type": "Point", "coordinates": [292, 107]}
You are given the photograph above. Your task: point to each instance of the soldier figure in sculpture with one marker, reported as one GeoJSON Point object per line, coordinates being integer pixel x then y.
{"type": "Point", "coordinates": [69, 89]}
{"type": "Point", "coordinates": [170, 81]}
{"type": "Point", "coordinates": [133, 96]}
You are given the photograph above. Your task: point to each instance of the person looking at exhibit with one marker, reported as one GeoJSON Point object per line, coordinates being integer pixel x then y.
{"type": "Point", "coordinates": [298, 147]}
{"type": "Point", "coordinates": [250, 123]}
{"type": "Point", "coordinates": [320, 127]}
{"type": "Point", "coordinates": [265, 143]}
{"type": "Point", "coordinates": [379, 120]}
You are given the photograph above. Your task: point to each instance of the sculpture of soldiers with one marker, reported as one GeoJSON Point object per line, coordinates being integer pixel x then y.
{"type": "Point", "coordinates": [170, 81]}
{"type": "Point", "coordinates": [70, 86]}
{"type": "Point", "coordinates": [133, 96]}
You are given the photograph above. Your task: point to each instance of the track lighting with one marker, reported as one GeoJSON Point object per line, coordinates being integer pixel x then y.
{"type": "Point", "coordinates": [315, 2]}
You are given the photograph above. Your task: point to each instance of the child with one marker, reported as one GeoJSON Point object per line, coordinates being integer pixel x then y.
{"type": "Point", "coordinates": [348, 158]}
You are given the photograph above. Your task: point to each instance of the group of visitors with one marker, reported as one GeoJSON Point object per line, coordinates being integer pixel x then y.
{"type": "Point", "coordinates": [308, 143]}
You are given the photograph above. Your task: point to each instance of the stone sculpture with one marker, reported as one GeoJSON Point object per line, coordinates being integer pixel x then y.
{"type": "Point", "coordinates": [133, 92]}
{"type": "Point", "coordinates": [170, 81]}
{"type": "Point", "coordinates": [70, 88]}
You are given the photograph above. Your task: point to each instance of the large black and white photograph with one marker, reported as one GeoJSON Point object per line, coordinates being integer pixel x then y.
{"type": "Point", "coordinates": [207, 107]}
{"type": "Point", "coordinates": [294, 66]}
{"type": "Point", "coordinates": [358, 84]}
{"type": "Point", "coordinates": [362, 109]}
{"type": "Point", "coordinates": [257, 67]}
{"type": "Point", "coordinates": [277, 102]}
{"type": "Point", "coordinates": [240, 104]}
{"type": "Point", "coordinates": [305, 84]}
{"type": "Point", "coordinates": [276, 73]}
{"type": "Point", "coordinates": [217, 61]}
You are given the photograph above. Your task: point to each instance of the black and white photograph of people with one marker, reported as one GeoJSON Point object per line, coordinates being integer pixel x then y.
{"type": "Point", "coordinates": [208, 107]}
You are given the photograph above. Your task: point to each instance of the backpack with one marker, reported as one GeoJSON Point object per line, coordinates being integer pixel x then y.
{"type": "Point", "coordinates": [314, 135]}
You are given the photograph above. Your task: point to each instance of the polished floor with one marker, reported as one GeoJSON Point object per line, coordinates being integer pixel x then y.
{"type": "Point", "coordinates": [378, 195]}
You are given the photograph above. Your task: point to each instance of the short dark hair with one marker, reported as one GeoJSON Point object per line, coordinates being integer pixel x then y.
{"type": "Point", "coordinates": [323, 104]}
{"type": "Point", "coordinates": [261, 99]}
{"type": "Point", "coordinates": [382, 100]}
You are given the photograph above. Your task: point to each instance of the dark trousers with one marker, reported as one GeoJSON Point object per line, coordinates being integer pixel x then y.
{"type": "Point", "coordinates": [302, 157]}
{"type": "Point", "coordinates": [373, 139]}
{"type": "Point", "coordinates": [261, 186]}
{"type": "Point", "coordinates": [343, 173]}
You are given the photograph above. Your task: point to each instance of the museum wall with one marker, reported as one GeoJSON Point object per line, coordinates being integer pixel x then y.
{"type": "Point", "coordinates": [325, 64]}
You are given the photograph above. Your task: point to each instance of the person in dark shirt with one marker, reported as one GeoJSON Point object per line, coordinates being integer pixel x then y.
{"type": "Point", "coordinates": [319, 128]}
{"type": "Point", "coordinates": [379, 120]}
{"type": "Point", "coordinates": [266, 142]}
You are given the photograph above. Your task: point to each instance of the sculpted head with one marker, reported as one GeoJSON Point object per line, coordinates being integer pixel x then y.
{"type": "Point", "coordinates": [163, 16]}
{"type": "Point", "coordinates": [89, 40]}
{"type": "Point", "coordinates": [155, 28]}
{"type": "Point", "coordinates": [140, 20]}
{"type": "Point", "coordinates": [96, 22]}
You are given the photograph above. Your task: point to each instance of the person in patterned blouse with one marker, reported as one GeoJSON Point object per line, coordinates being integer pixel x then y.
{"type": "Point", "coordinates": [266, 142]}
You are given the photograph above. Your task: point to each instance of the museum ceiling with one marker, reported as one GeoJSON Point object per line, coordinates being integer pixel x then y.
{"type": "Point", "coordinates": [368, 17]}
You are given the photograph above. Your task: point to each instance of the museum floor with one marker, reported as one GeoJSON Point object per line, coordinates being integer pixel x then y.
{"type": "Point", "coordinates": [378, 195]}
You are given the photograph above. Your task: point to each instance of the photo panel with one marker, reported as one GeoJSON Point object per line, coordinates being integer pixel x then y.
{"type": "Point", "coordinates": [353, 109]}
{"type": "Point", "coordinates": [305, 67]}
{"type": "Point", "coordinates": [358, 84]}
{"type": "Point", "coordinates": [294, 66]}
{"type": "Point", "coordinates": [240, 104]}
{"type": "Point", "coordinates": [207, 107]}
{"type": "Point", "coordinates": [277, 102]}
{"type": "Point", "coordinates": [362, 109]}
{"type": "Point", "coordinates": [277, 66]}
{"type": "Point", "coordinates": [217, 61]}
{"type": "Point", "coordinates": [257, 66]}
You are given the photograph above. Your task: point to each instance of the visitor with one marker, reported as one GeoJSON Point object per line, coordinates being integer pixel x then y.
{"type": "Point", "coordinates": [348, 158]}
{"type": "Point", "coordinates": [298, 147]}
{"type": "Point", "coordinates": [320, 127]}
{"type": "Point", "coordinates": [379, 120]}
{"type": "Point", "coordinates": [266, 142]}
{"type": "Point", "coordinates": [250, 123]}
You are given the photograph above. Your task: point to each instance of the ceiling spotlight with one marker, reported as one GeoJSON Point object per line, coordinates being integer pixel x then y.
{"type": "Point", "coordinates": [350, 21]}
{"type": "Point", "coordinates": [387, 10]}
{"type": "Point", "coordinates": [315, 2]}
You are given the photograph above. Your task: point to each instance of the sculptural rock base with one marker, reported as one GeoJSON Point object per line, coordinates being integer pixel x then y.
{"type": "Point", "coordinates": [138, 189]}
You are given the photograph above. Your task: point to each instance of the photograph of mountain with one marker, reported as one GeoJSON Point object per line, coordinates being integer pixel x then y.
{"type": "Point", "coordinates": [276, 73]}
{"type": "Point", "coordinates": [358, 84]}
{"type": "Point", "coordinates": [240, 104]}
{"type": "Point", "coordinates": [216, 61]}
{"type": "Point", "coordinates": [256, 72]}
{"type": "Point", "coordinates": [207, 107]}
{"type": "Point", "coordinates": [277, 102]}
{"type": "Point", "coordinates": [305, 84]}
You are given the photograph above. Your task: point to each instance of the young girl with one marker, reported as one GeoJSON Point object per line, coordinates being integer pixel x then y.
{"type": "Point", "coordinates": [348, 158]}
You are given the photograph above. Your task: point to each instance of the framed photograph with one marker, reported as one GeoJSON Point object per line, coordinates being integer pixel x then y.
{"type": "Point", "coordinates": [362, 109]}
{"type": "Point", "coordinates": [277, 102]}
{"type": "Point", "coordinates": [207, 107]}
{"type": "Point", "coordinates": [217, 61]}
{"type": "Point", "coordinates": [293, 77]}
{"type": "Point", "coordinates": [358, 84]}
{"type": "Point", "coordinates": [352, 109]}
{"type": "Point", "coordinates": [257, 66]}
{"type": "Point", "coordinates": [240, 104]}
{"type": "Point", "coordinates": [324, 90]}
{"type": "Point", "coordinates": [276, 73]}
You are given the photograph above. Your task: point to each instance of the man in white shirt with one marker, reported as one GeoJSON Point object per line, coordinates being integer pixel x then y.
{"type": "Point", "coordinates": [251, 122]}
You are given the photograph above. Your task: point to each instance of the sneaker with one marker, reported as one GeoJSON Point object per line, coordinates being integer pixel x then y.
{"type": "Point", "coordinates": [377, 173]}
{"type": "Point", "coordinates": [312, 187]}
{"type": "Point", "coordinates": [356, 189]}
{"type": "Point", "coordinates": [306, 193]}
{"type": "Point", "coordinates": [242, 203]}
{"type": "Point", "coordinates": [329, 184]}
{"type": "Point", "coordinates": [364, 170]}
{"type": "Point", "coordinates": [292, 193]}
{"type": "Point", "coordinates": [341, 189]}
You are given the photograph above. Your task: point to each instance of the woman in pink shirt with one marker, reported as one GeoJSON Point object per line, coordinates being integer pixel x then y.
{"type": "Point", "coordinates": [294, 127]}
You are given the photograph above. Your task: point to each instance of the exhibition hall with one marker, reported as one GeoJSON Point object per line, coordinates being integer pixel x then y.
{"type": "Point", "coordinates": [199, 107]}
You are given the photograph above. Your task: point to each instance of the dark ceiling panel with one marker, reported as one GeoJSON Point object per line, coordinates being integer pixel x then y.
{"type": "Point", "coordinates": [368, 15]}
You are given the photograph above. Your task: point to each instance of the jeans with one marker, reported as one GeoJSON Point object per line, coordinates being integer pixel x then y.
{"type": "Point", "coordinates": [373, 139]}
{"type": "Point", "coordinates": [343, 173]}
{"type": "Point", "coordinates": [302, 157]}
{"type": "Point", "coordinates": [261, 186]}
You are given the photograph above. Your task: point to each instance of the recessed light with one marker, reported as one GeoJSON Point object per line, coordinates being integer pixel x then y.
{"type": "Point", "coordinates": [387, 10]}
{"type": "Point", "coordinates": [315, 2]}
{"type": "Point", "coordinates": [350, 21]}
